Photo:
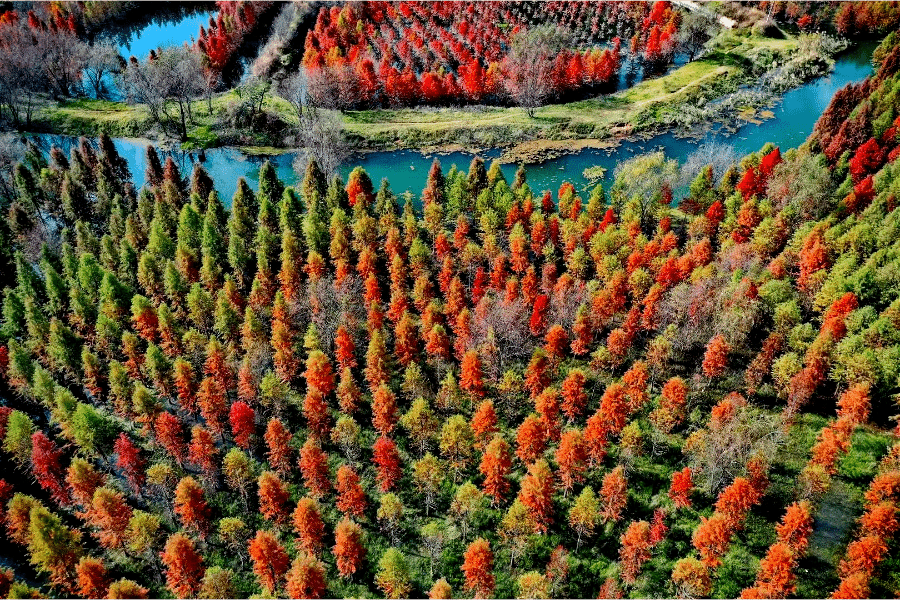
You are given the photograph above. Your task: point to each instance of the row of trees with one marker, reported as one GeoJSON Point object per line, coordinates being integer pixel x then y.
{"type": "Point", "coordinates": [46, 57]}
{"type": "Point", "coordinates": [412, 53]}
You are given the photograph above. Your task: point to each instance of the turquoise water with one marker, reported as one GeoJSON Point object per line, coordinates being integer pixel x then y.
{"type": "Point", "coordinates": [154, 35]}
{"type": "Point", "coordinates": [407, 170]}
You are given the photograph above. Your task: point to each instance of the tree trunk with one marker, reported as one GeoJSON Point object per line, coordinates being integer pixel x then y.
{"type": "Point", "coordinates": [183, 123]}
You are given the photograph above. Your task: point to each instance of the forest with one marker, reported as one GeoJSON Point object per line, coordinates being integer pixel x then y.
{"type": "Point", "coordinates": [332, 390]}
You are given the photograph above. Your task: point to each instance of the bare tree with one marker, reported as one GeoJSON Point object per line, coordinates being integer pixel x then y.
{"type": "Point", "coordinates": [726, 450]}
{"type": "Point", "coordinates": [102, 60]}
{"type": "Point", "coordinates": [718, 155]}
{"type": "Point", "coordinates": [319, 131]}
{"type": "Point", "coordinates": [333, 87]}
{"type": "Point", "coordinates": [34, 61]}
{"type": "Point", "coordinates": [295, 89]}
{"type": "Point", "coordinates": [20, 78]}
{"type": "Point", "coordinates": [320, 135]}
{"type": "Point", "coordinates": [696, 29]}
{"type": "Point", "coordinates": [62, 60]}
{"type": "Point", "coordinates": [529, 64]}
{"type": "Point", "coordinates": [168, 80]}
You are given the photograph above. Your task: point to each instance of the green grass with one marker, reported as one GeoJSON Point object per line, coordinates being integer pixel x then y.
{"type": "Point", "coordinates": [92, 117]}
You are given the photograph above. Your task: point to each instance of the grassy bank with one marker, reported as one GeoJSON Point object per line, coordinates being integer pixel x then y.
{"type": "Point", "coordinates": [215, 123]}
{"type": "Point", "coordinates": [652, 104]}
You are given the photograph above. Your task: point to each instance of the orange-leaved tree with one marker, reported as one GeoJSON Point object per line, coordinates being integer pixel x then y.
{"type": "Point", "coordinates": [183, 564]}
{"type": "Point", "coordinates": [478, 565]}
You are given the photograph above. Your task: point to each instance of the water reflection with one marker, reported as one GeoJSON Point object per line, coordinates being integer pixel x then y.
{"type": "Point", "coordinates": [171, 23]}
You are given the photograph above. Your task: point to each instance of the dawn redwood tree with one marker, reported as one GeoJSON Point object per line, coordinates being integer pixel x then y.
{"type": "Point", "coordinates": [243, 423]}
{"type": "Point", "coordinates": [129, 460]}
{"type": "Point", "coordinates": [531, 439]}
{"type": "Point", "coordinates": [428, 473]}
{"type": "Point", "coordinates": [537, 373]}
{"type": "Point", "coordinates": [203, 453]}
{"type": "Point", "coordinates": [319, 374]}
{"type": "Point", "coordinates": [457, 443]}
{"type": "Point", "coordinates": [421, 423]}
{"type": "Point", "coordinates": [796, 526]}
{"type": "Point", "coordinates": [191, 506]}
{"type": "Point", "coordinates": [377, 369]}
{"type": "Point", "coordinates": [712, 538]}
{"type": "Point", "coordinates": [83, 480]}
{"type": "Point", "coordinates": [279, 451]}
{"type": "Point", "coordinates": [213, 402]}
{"type": "Point", "coordinates": [441, 590]}
{"type": "Point", "coordinates": [54, 548]}
{"type": "Point", "coordinates": [393, 576]}
{"type": "Point", "coordinates": [484, 423]}
{"type": "Point", "coordinates": [496, 464]}
{"type": "Point", "coordinates": [635, 382]}
{"type": "Point", "coordinates": [813, 258]}
{"type": "Point", "coordinates": [344, 348]}
{"type": "Point", "coordinates": [471, 378]}
{"type": "Point", "coordinates": [574, 395]}
{"type": "Point", "coordinates": [672, 405]}
{"type": "Point", "coordinates": [691, 578]}
{"type": "Point", "coordinates": [387, 463]}
{"type": "Point", "coordinates": [682, 484]}
{"type": "Point", "coordinates": [315, 409]}
{"type": "Point", "coordinates": [547, 405]}
{"type": "Point", "coordinates": [384, 410]}
{"type": "Point", "coordinates": [308, 526]}
{"type": "Point", "coordinates": [478, 564]}
{"type": "Point", "coordinates": [584, 515]}
{"type": "Point", "coordinates": [93, 580]}
{"type": "Point", "coordinates": [46, 467]}
{"type": "Point", "coordinates": [536, 493]}
{"type": "Point", "coordinates": [572, 459]}
{"type": "Point", "coordinates": [270, 560]}
{"type": "Point", "coordinates": [183, 564]}
{"type": "Point", "coordinates": [595, 436]}
{"type": "Point", "coordinates": [775, 578]}
{"type": "Point", "coordinates": [715, 359]}
{"type": "Point", "coordinates": [351, 496]}
{"type": "Point", "coordinates": [406, 340]}
{"type": "Point", "coordinates": [613, 494]}
{"type": "Point", "coordinates": [634, 550]}
{"type": "Point", "coordinates": [306, 579]}
{"type": "Point", "coordinates": [348, 393]}
{"type": "Point", "coordinates": [273, 498]}
{"type": "Point", "coordinates": [614, 408]}
{"type": "Point", "coordinates": [314, 468]}
{"type": "Point", "coordinates": [110, 514]}
{"type": "Point", "coordinates": [556, 342]}
{"type": "Point", "coordinates": [538, 321]}
{"type": "Point", "coordinates": [349, 551]}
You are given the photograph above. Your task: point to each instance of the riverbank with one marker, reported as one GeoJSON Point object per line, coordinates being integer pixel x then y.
{"type": "Point", "coordinates": [713, 88]}
{"type": "Point", "coordinates": [722, 87]}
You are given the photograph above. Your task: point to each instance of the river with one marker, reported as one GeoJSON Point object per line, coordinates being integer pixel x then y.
{"type": "Point", "coordinates": [407, 170]}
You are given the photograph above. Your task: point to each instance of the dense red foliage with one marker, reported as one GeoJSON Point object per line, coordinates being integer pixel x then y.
{"type": "Point", "coordinates": [426, 52]}
{"type": "Point", "coordinates": [270, 560]}
{"type": "Point", "coordinates": [184, 566]}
